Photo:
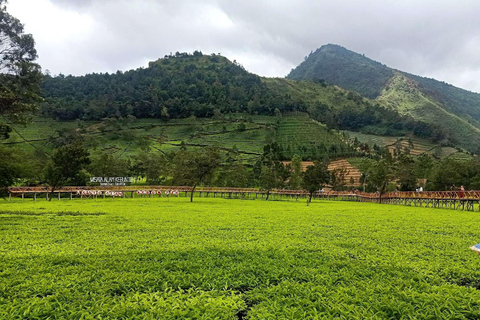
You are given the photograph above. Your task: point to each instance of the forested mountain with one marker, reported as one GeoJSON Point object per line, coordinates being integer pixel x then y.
{"type": "Point", "coordinates": [201, 85]}
{"type": "Point", "coordinates": [176, 86]}
{"type": "Point", "coordinates": [453, 111]}
{"type": "Point", "coordinates": [347, 69]}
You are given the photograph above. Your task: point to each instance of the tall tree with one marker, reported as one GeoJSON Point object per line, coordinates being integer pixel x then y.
{"type": "Point", "coordinates": [66, 166]}
{"type": "Point", "coordinates": [13, 166]}
{"type": "Point", "coordinates": [154, 166]}
{"type": "Point", "coordinates": [296, 172]}
{"type": "Point", "coordinates": [232, 173]}
{"type": "Point", "coordinates": [20, 77]}
{"type": "Point", "coordinates": [378, 174]}
{"type": "Point", "coordinates": [315, 178]}
{"type": "Point", "coordinates": [195, 167]}
{"type": "Point", "coordinates": [449, 174]}
{"type": "Point", "coordinates": [20, 80]}
{"type": "Point", "coordinates": [338, 178]}
{"type": "Point", "coordinates": [406, 173]}
{"type": "Point", "coordinates": [272, 173]}
{"type": "Point", "coordinates": [108, 165]}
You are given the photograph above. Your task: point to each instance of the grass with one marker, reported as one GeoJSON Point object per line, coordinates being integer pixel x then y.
{"type": "Point", "coordinates": [232, 259]}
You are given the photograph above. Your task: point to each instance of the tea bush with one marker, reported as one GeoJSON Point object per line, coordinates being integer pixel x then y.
{"type": "Point", "coordinates": [158, 258]}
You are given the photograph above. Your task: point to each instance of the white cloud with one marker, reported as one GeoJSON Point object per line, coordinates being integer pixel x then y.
{"type": "Point", "coordinates": [434, 38]}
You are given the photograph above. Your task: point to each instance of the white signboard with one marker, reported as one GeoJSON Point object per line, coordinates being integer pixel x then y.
{"type": "Point", "coordinates": [111, 181]}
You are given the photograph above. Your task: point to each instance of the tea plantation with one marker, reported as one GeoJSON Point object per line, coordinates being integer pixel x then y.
{"type": "Point", "coordinates": [232, 259]}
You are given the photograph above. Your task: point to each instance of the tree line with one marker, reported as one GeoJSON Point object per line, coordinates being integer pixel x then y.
{"type": "Point", "coordinates": [384, 171]}
{"type": "Point", "coordinates": [71, 164]}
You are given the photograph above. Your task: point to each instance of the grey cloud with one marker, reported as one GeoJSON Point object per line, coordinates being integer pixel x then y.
{"type": "Point", "coordinates": [431, 38]}
{"type": "Point", "coordinates": [73, 4]}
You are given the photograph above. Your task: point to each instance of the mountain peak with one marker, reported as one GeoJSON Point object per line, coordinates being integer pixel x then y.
{"type": "Point", "coordinates": [350, 70]}
{"type": "Point", "coordinates": [333, 46]}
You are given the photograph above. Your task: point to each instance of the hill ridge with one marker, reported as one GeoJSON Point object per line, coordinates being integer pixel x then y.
{"type": "Point", "coordinates": [456, 111]}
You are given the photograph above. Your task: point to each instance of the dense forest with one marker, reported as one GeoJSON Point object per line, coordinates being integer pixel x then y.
{"type": "Point", "coordinates": [177, 86]}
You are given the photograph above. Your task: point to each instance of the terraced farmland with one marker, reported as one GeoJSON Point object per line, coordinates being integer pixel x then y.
{"type": "Point", "coordinates": [231, 259]}
{"type": "Point", "coordinates": [371, 139]}
{"type": "Point", "coordinates": [248, 136]}
{"type": "Point", "coordinates": [414, 146]}
{"type": "Point", "coordinates": [352, 173]}
{"type": "Point", "coordinates": [299, 134]}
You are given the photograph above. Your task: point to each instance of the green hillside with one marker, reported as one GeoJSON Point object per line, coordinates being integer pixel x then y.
{"type": "Point", "coordinates": [299, 134]}
{"type": "Point", "coordinates": [337, 65]}
{"type": "Point", "coordinates": [247, 136]}
{"type": "Point", "coordinates": [346, 110]}
{"type": "Point", "coordinates": [242, 133]}
{"type": "Point", "coordinates": [404, 95]}
{"type": "Point", "coordinates": [453, 112]}
{"type": "Point", "coordinates": [136, 122]}
{"type": "Point", "coordinates": [199, 100]}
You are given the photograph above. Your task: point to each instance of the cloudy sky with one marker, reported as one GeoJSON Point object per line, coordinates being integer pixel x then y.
{"type": "Point", "coordinates": [433, 38]}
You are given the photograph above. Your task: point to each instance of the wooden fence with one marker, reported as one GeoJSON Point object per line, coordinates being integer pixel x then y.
{"type": "Point", "coordinates": [467, 200]}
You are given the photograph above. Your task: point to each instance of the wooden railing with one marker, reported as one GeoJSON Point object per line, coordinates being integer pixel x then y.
{"type": "Point", "coordinates": [467, 200]}
{"type": "Point", "coordinates": [473, 195]}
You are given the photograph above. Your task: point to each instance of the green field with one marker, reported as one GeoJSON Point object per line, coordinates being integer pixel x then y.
{"type": "Point", "coordinates": [232, 259]}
